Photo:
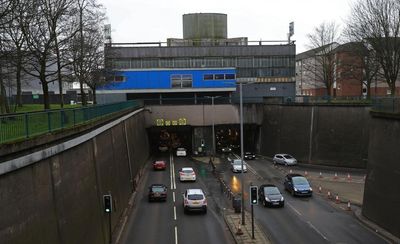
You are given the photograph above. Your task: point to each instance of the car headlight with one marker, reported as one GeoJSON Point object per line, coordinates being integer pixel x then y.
{"type": "Point", "coordinates": [266, 199]}
{"type": "Point", "coordinates": [282, 199]}
{"type": "Point", "coordinates": [310, 189]}
{"type": "Point", "coordinates": [294, 188]}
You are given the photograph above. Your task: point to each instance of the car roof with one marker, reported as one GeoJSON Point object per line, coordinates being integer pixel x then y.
{"type": "Point", "coordinates": [187, 168]}
{"type": "Point", "coordinates": [159, 161]}
{"type": "Point", "coordinates": [158, 185]}
{"type": "Point", "coordinates": [294, 175]}
{"type": "Point", "coordinates": [181, 148]}
{"type": "Point", "coordinates": [195, 191]}
{"type": "Point", "coordinates": [248, 152]}
{"type": "Point", "coordinates": [267, 185]}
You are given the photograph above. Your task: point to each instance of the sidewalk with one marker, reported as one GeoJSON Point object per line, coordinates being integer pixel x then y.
{"type": "Point", "coordinates": [233, 221]}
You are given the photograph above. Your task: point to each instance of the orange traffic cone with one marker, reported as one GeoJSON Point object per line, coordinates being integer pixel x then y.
{"type": "Point", "coordinates": [319, 189]}
{"type": "Point", "coordinates": [305, 173]}
{"type": "Point", "coordinates": [239, 231]}
{"type": "Point", "coordinates": [348, 206]}
{"type": "Point", "coordinates": [335, 177]}
{"type": "Point", "coordinates": [337, 199]}
{"type": "Point", "coordinates": [348, 177]}
{"type": "Point", "coordinates": [320, 174]}
{"type": "Point", "coordinates": [329, 195]}
{"type": "Point", "coordinates": [290, 171]}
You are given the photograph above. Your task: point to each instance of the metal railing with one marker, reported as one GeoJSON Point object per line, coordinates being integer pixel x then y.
{"type": "Point", "coordinates": [26, 125]}
{"type": "Point", "coordinates": [386, 104]}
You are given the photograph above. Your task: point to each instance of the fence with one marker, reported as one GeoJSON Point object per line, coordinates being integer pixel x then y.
{"type": "Point", "coordinates": [386, 104]}
{"type": "Point", "coordinates": [25, 125]}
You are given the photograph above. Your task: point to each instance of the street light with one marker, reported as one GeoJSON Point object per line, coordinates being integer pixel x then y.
{"type": "Point", "coordinates": [213, 129]}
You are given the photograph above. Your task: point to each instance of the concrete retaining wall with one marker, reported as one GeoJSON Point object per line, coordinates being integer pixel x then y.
{"type": "Point", "coordinates": [327, 135]}
{"type": "Point", "coordinates": [59, 199]}
{"type": "Point", "coordinates": [381, 194]}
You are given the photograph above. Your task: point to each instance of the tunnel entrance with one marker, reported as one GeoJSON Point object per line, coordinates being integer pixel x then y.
{"type": "Point", "coordinates": [168, 138]}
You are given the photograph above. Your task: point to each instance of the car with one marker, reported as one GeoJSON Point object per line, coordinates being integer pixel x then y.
{"type": "Point", "coordinates": [284, 159]}
{"type": "Point", "coordinates": [194, 200]}
{"type": "Point", "coordinates": [236, 165]}
{"type": "Point", "coordinates": [159, 165]}
{"type": "Point", "coordinates": [187, 174]}
{"type": "Point", "coordinates": [269, 195]}
{"type": "Point", "coordinates": [297, 185]}
{"type": "Point", "coordinates": [157, 192]}
{"type": "Point", "coordinates": [226, 149]}
{"type": "Point", "coordinates": [181, 152]}
{"type": "Point", "coordinates": [249, 155]}
{"type": "Point", "coordinates": [163, 148]}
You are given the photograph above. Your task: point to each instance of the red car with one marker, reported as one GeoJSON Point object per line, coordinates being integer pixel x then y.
{"type": "Point", "coordinates": [159, 165]}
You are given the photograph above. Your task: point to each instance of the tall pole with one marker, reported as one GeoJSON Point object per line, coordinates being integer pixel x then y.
{"type": "Point", "coordinates": [213, 129]}
{"type": "Point", "coordinates": [241, 149]}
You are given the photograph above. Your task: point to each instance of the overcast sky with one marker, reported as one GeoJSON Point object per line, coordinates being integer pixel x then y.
{"type": "Point", "coordinates": [157, 20]}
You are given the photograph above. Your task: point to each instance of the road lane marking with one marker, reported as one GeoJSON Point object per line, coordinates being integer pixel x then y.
{"type": "Point", "coordinates": [176, 235]}
{"type": "Point", "coordinates": [319, 232]}
{"type": "Point", "coordinates": [173, 196]}
{"type": "Point", "coordinates": [174, 213]}
{"type": "Point", "coordinates": [170, 171]}
{"type": "Point", "coordinates": [294, 209]}
{"type": "Point", "coordinates": [173, 172]}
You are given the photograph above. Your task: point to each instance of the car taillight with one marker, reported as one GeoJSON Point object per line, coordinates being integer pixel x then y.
{"type": "Point", "coordinates": [192, 173]}
{"type": "Point", "coordinates": [205, 201]}
{"type": "Point", "coordinates": [181, 173]}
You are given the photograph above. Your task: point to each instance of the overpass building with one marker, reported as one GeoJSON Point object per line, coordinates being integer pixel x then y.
{"type": "Point", "coordinates": [205, 62]}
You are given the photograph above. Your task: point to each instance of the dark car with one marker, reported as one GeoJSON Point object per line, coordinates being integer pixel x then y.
{"type": "Point", "coordinates": [269, 195]}
{"type": "Point", "coordinates": [249, 155]}
{"type": "Point", "coordinates": [157, 192]}
{"type": "Point", "coordinates": [297, 185]}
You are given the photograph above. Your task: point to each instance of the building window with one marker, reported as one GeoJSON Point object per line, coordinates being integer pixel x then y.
{"type": "Point", "coordinates": [119, 78]}
{"type": "Point", "coordinates": [181, 81]}
{"type": "Point", "coordinates": [229, 76]}
{"type": "Point", "coordinates": [208, 77]}
{"type": "Point", "coordinates": [219, 76]}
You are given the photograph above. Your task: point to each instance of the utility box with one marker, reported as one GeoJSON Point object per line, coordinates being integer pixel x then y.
{"type": "Point", "coordinates": [237, 204]}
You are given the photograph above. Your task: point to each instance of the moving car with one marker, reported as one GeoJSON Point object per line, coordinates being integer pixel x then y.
{"type": "Point", "coordinates": [159, 165]}
{"type": "Point", "coordinates": [269, 195]}
{"type": "Point", "coordinates": [181, 152]}
{"type": "Point", "coordinates": [226, 149]}
{"type": "Point", "coordinates": [194, 200]}
{"type": "Point", "coordinates": [284, 159]}
{"type": "Point", "coordinates": [187, 174]}
{"type": "Point", "coordinates": [157, 192]}
{"type": "Point", "coordinates": [236, 165]}
{"type": "Point", "coordinates": [163, 148]}
{"type": "Point", "coordinates": [249, 155]}
{"type": "Point", "coordinates": [297, 185]}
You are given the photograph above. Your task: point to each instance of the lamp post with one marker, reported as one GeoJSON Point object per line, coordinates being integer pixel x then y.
{"type": "Point", "coordinates": [241, 148]}
{"type": "Point", "coordinates": [213, 129]}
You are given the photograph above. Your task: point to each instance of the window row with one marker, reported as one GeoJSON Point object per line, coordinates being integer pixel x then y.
{"type": "Point", "coordinates": [209, 62]}
{"type": "Point", "coordinates": [219, 77]}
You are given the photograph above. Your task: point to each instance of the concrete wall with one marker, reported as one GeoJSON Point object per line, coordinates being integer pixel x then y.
{"type": "Point", "coordinates": [381, 194]}
{"type": "Point", "coordinates": [58, 196]}
{"type": "Point", "coordinates": [339, 134]}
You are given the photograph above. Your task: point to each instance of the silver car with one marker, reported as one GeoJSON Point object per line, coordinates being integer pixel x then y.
{"type": "Point", "coordinates": [284, 159]}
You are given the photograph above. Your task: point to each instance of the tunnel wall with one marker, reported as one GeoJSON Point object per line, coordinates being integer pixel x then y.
{"type": "Point", "coordinates": [381, 194]}
{"type": "Point", "coordinates": [60, 199]}
{"type": "Point", "coordinates": [339, 134]}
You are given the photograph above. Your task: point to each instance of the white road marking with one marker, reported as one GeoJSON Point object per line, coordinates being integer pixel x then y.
{"type": "Point", "coordinates": [173, 196]}
{"type": "Point", "coordinates": [170, 171]}
{"type": "Point", "coordinates": [294, 209]}
{"type": "Point", "coordinates": [176, 235]}
{"type": "Point", "coordinates": [173, 172]}
{"type": "Point", "coordinates": [319, 232]}
{"type": "Point", "coordinates": [174, 213]}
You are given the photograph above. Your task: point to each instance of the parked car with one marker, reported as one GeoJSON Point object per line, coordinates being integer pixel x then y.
{"type": "Point", "coordinates": [269, 195]}
{"type": "Point", "coordinates": [187, 174]}
{"type": "Point", "coordinates": [249, 155]}
{"type": "Point", "coordinates": [181, 152]}
{"type": "Point", "coordinates": [236, 165]}
{"type": "Point", "coordinates": [284, 159]}
{"type": "Point", "coordinates": [157, 192]}
{"type": "Point", "coordinates": [297, 185]}
{"type": "Point", "coordinates": [194, 200]}
{"type": "Point", "coordinates": [159, 165]}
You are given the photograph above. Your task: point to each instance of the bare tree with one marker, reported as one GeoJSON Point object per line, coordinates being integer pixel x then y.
{"type": "Point", "coordinates": [377, 23]}
{"type": "Point", "coordinates": [321, 63]}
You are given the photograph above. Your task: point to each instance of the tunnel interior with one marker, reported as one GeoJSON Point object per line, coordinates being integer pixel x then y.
{"type": "Point", "coordinates": [169, 138]}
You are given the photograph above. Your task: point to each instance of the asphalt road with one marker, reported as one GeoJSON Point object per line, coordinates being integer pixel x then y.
{"type": "Point", "coordinates": [302, 220]}
{"type": "Point", "coordinates": [165, 222]}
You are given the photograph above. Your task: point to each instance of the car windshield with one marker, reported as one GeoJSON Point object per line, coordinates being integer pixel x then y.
{"type": "Point", "coordinates": [187, 171]}
{"type": "Point", "coordinates": [195, 197]}
{"type": "Point", "coordinates": [271, 191]}
{"type": "Point", "coordinates": [299, 180]}
{"type": "Point", "coordinates": [238, 162]}
{"type": "Point", "coordinates": [158, 189]}
{"type": "Point", "coordinates": [248, 153]}
{"type": "Point", "coordinates": [181, 149]}
{"type": "Point", "coordinates": [288, 156]}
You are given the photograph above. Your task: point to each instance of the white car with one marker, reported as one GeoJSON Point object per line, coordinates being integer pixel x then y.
{"type": "Point", "coordinates": [187, 174]}
{"type": "Point", "coordinates": [237, 166]}
{"type": "Point", "coordinates": [284, 159]}
{"type": "Point", "coordinates": [181, 152]}
{"type": "Point", "coordinates": [194, 200]}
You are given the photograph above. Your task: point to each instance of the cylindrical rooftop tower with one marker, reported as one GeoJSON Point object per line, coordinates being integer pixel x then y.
{"type": "Point", "coordinates": [205, 26]}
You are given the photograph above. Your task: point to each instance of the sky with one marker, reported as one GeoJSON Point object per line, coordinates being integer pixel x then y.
{"type": "Point", "coordinates": [157, 20]}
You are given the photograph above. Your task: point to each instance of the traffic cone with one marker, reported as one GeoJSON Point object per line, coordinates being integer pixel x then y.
{"type": "Point", "coordinates": [348, 206]}
{"type": "Point", "coordinates": [329, 195]}
{"type": "Point", "coordinates": [305, 173]}
{"type": "Point", "coordinates": [335, 177]}
{"type": "Point", "coordinates": [337, 199]}
{"type": "Point", "coordinates": [239, 231]}
{"type": "Point", "coordinates": [290, 171]}
{"type": "Point", "coordinates": [348, 177]}
{"type": "Point", "coordinates": [320, 174]}
{"type": "Point", "coordinates": [319, 189]}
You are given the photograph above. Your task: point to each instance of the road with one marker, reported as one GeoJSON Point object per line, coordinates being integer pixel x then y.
{"type": "Point", "coordinates": [302, 220]}
{"type": "Point", "coordinates": [165, 222]}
